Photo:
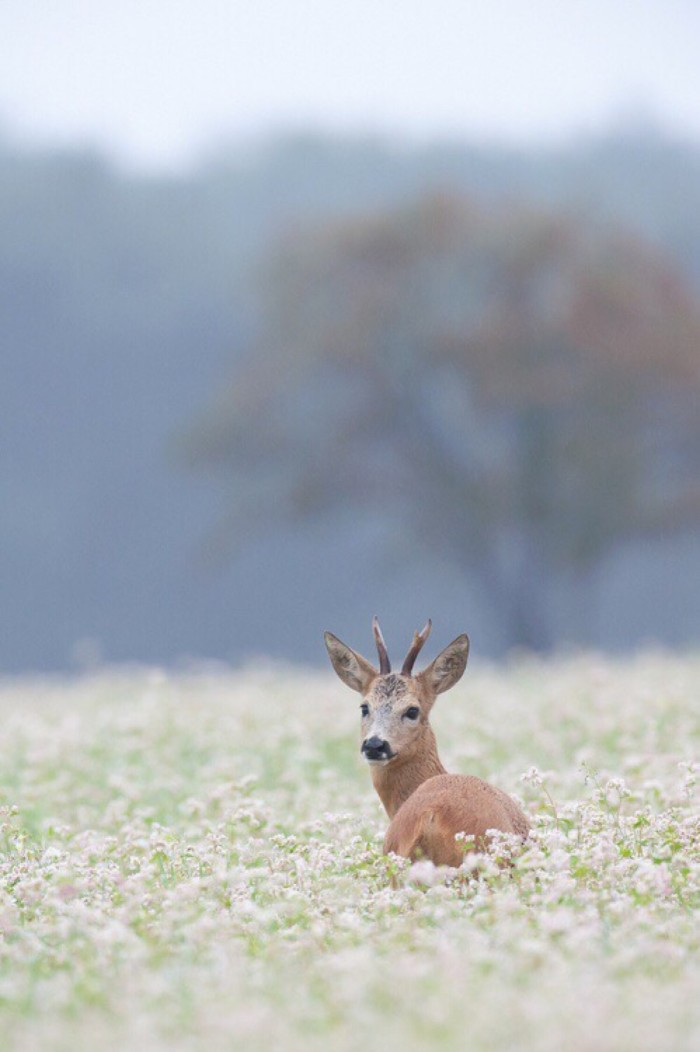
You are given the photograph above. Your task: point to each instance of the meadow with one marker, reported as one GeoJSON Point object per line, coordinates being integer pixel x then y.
{"type": "Point", "coordinates": [193, 861]}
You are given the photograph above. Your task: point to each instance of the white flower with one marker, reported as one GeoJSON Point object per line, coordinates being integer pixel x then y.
{"type": "Point", "coordinates": [423, 873]}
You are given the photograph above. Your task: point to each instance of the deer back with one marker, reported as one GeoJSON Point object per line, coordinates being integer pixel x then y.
{"type": "Point", "coordinates": [427, 823]}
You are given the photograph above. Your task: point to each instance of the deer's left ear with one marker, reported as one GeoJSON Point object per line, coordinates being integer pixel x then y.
{"type": "Point", "coordinates": [448, 667]}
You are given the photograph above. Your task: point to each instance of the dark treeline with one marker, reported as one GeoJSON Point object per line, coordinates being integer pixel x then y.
{"type": "Point", "coordinates": [126, 306]}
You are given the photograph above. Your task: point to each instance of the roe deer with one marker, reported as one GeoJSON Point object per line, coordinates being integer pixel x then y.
{"type": "Point", "coordinates": [427, 806]}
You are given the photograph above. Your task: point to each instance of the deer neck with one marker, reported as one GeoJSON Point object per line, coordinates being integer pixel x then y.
{"type": "Point", "coordinates": [395, 782]}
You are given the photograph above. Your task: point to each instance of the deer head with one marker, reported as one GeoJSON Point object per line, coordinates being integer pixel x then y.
{"type": "Point", "coordinates": [396, 705]}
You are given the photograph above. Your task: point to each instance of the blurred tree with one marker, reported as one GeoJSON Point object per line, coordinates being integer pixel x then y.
{"type": "Point", "coordinates": [517, 390]}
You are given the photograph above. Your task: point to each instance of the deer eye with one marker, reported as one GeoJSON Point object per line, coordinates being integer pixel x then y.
{"type": "Point", "coordinates": [413, 713]}
{"type": "Point", "coordinates": [364, 709]}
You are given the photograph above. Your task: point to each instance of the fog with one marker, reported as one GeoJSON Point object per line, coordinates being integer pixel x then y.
{"type": "Point", "coordinates": [311, 313]}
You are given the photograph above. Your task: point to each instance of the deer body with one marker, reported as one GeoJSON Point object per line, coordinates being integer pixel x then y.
{"type": "Point", "coordinates": [427, 806]}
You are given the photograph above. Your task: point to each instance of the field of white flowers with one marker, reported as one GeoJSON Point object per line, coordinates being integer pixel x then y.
{"type": "Point", "coordinates": [194, 862]}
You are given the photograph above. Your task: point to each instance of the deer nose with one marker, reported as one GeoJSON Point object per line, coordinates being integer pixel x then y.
{"type": "Point", "coordinates": [376, 749]}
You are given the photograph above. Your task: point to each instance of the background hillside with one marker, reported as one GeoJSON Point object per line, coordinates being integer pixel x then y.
{"type": "Point", "coordinates": [129, 302]}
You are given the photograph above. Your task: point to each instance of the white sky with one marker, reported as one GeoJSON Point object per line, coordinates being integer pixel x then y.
{"type": "Point", "coordinates": [156, 81]}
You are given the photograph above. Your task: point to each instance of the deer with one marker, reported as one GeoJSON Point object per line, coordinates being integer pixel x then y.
{"type": "Point", "coordinates": [426, 806]}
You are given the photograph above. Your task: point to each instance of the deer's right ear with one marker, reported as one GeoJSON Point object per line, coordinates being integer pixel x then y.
{"type": "Point", "coordinates": [352, 668]}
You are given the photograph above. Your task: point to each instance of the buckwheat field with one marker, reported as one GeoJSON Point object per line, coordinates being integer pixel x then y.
{"type": "Point", "coordinates": [193, 861]}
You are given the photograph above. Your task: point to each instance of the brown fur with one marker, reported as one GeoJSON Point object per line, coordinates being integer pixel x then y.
{"type": "Point", "coordinates": [427, 806]}
{"type": "Point", "coordinates": [426, 824]}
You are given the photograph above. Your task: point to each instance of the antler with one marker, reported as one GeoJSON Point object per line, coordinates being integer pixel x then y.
{"type": "Point", "coordinates": [384, 663]}
{"type": "Point", "coordinates": [419, 639]}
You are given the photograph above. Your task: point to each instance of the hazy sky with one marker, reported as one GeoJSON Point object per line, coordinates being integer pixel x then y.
{"type": "Point", "coordinates": [157, 80]}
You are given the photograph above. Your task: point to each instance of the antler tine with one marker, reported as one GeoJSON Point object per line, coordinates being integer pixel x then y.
{"type": "Point", "coordinates": [419, 639]}
{"type": "Point", "coordinates": [384, 663]}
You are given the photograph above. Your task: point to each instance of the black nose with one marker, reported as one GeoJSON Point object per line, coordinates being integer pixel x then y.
{"type": "Point", "coordinates": [376, 749]}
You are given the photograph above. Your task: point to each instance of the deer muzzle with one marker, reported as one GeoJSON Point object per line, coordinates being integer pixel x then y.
{"type": "Point", "coordinates": [376, 750]}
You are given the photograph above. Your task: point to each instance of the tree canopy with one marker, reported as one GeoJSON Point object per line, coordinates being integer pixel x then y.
{"type": "Point", "coordinates": [514, 388]}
